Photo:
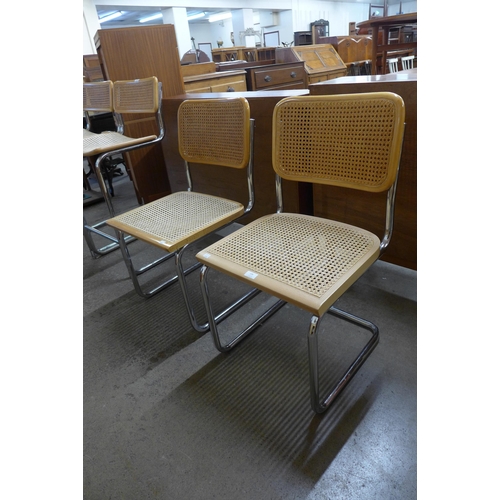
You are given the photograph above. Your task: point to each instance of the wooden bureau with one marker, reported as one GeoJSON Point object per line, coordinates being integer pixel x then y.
{"type": "Point", "coordinates": [277, 76]}
{"type": "Point", "coordinates": [321, 61]}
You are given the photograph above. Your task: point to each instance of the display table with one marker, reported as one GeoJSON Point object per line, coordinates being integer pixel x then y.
{"type": "Point", "coordinates": [384, 24]}
{"type": "Point", "coordinates": [354, 208]}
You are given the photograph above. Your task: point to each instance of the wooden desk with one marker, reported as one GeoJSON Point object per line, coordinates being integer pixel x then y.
{"type": "Point", "coordinates": [354, 207]}
{"type": "Point", "coordinates": [384, 23]}
{"type": "Point", "coordinates": [222, 181]}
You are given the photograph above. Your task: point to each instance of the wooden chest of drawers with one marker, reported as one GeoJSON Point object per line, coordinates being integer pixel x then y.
{"type": "Point", "coordinates": [227, 81]}
{"type": "Point", "coordinates": [277, 77]}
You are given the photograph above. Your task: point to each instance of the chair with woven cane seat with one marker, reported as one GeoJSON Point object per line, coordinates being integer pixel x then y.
{"type": "Point", "coordinates": [211, 132]}
{"type": "Point", "coordinates": [141, 96]}
{"type": "Point", "coordinates": [350, 141]}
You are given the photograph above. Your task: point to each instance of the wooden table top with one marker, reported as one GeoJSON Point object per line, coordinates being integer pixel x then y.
{"type": "Point", "coordinates": [410, 18]}
{"type": "Point", "coordinates": [400, 76]}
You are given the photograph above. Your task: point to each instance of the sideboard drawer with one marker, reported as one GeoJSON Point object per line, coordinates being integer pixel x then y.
{"type": "Point", "coordinates": [277, 76]}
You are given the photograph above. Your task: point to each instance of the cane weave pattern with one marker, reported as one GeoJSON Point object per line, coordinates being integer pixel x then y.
{"type": "Point", "coordinates": [215, 131]}
{"type": "Point", "coordinates": [177, 218]}
{"type": "Point", "coordinates": [98, 96]}
{"type": "Point", "coordinates": [347, 142]}
{"type": "Point", "coordinates": [94, 144]}
{"type": "Point", "coordinates": [136, 96]}
{"type": "Point", "coordinates": [307, 253]}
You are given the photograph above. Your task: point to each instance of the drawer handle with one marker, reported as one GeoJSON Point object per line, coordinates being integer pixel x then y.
{"type": "Point", "coordinates": [230, 89]}
{"type": "Point", "coordinates": [267, 78]}
{"type": "Point", "coordinates": [293, 74]}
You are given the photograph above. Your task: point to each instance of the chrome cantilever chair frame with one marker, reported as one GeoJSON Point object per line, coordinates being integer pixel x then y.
{"type": "Point", "coordinates": [296, 235]}
{"type": "Point", "coordinates": [108, 144]}
{"type": "Point", "coordinates": [144, 222]}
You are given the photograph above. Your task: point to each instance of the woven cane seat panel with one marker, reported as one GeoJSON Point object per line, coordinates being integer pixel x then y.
{"type": "Point", "coordinates": [304, 260]}
{"type": "Point", "coordinates": [109, 141]}
{"type": "Point", "coordinates": [346, 142]}
{"type": "Point", "coordinates": [87, 133]}
{"type": "Point", "coordinates": [177, 219]}
{"type": "Point", "coordinates": [215, 131]}
{"type": "Point", "coordinates": [136, 96]}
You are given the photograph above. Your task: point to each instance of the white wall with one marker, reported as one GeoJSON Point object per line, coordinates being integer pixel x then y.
{"type": "Point", "coordinates": [303, 12]}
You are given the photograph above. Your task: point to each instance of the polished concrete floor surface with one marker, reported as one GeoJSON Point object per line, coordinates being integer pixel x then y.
{"type": "Point", "coordinates": [166, 416]}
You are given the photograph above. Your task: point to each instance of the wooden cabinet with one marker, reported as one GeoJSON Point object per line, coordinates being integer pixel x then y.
{"type": "Point", "coordinates": [321, 61]}
{"type": "Point", "coordinates": [277, 76]}
{"type": "Point", "coordinates": [141, 52]}
{"type": "Point", "coordinates": [203, 77]}
{"type": "Point", "coordinates": [355, 208]}
{"type": "Point", "coordinates": [302, 38]}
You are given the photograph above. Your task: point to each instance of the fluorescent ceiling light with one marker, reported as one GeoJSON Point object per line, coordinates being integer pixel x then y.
{"type": "Point", "coordinates": [111, 16]}
{"type": "Point", "coordinates": [151, 18]}
{"type": "Point", "coordinates": [219, 17]}
{"type": "Point", "coordinates": [196, 16]}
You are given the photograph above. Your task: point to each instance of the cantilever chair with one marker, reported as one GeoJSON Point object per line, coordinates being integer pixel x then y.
{"type": "Point", "coordinates": [127, 96]}
{"type": "Point", "coordinates": [211, 132]}
{"type": "Point", "coordinates": [351, 141]}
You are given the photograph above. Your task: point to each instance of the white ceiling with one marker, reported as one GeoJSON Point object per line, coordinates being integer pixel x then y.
{"type": "Point", "coordinates": [131, 15]}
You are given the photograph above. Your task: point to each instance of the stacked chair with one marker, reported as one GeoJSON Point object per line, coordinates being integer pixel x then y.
{"type": "Point", "coordinates": [407, 62]}
{"type": "Point", "coordinates": [350, 141]}
{"type": "Point", "coordinates": [210, 132]}
{"type": "Point", "coordinates": [122, 97]}
{"type": "Point", "coordinates": [392, 64]}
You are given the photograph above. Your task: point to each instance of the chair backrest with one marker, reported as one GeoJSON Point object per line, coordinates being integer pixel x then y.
{"type": "Point", "coordinates": [351, 140]}
{"type": "Point", "coordinates": [215, 131]}
{"type": "Point", "coordinates": [407, 62]}
{"type": "Point", "coordinates": [136, 96]}
{"type": "Point", "coordinates": [98, 96]}
{"type": "Point", "coordinates": [393, 65]}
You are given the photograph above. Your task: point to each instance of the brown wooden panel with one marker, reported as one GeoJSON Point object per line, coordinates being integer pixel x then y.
{"type": "Point", "coordinates": [141, 52]}
{"type": "Point", "coordinates": [354, 207]}
{"type": "Point", "coordinates": [227, 182]}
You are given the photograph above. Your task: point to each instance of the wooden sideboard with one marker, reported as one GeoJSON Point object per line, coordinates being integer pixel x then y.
{"type": "Point", "coordinates": [141, 52]}
{"type": "Point", "coordinates": [203, 77]}
{"type": "Point", "coordinates": [353, 207]}
{"type": "Point", "coordinates": [222, 181]}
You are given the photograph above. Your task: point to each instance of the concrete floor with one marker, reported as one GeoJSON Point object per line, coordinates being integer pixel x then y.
{"type": "Point", "coordinates": [166, 416]}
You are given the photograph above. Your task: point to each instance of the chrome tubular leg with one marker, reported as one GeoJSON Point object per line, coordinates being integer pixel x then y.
{"type": "Point", "coordinates": [214, 320]}
{"type": "Point", "coordinates": [98, 252]}
{"type": "Point", "coordinates": [133, 273]}
{"type": "Point", "coordinates": [182, 282]}
{"type": "Point", "coordinates": [320, 406]}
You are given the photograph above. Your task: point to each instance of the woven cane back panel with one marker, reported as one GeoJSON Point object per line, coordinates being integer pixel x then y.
{"type": "Point", "coordinates": [215, 131]}
{"type": "Point", "coordinates": [136, 96]}
{"type": "Point", "coordinates": [296, 256]}
{"type": "Point", "coordinates": [177, 219]}
{"type": "Point", "coordinates": [98, 96]}
{"type": "Point", "coordinates": [344, 140]}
